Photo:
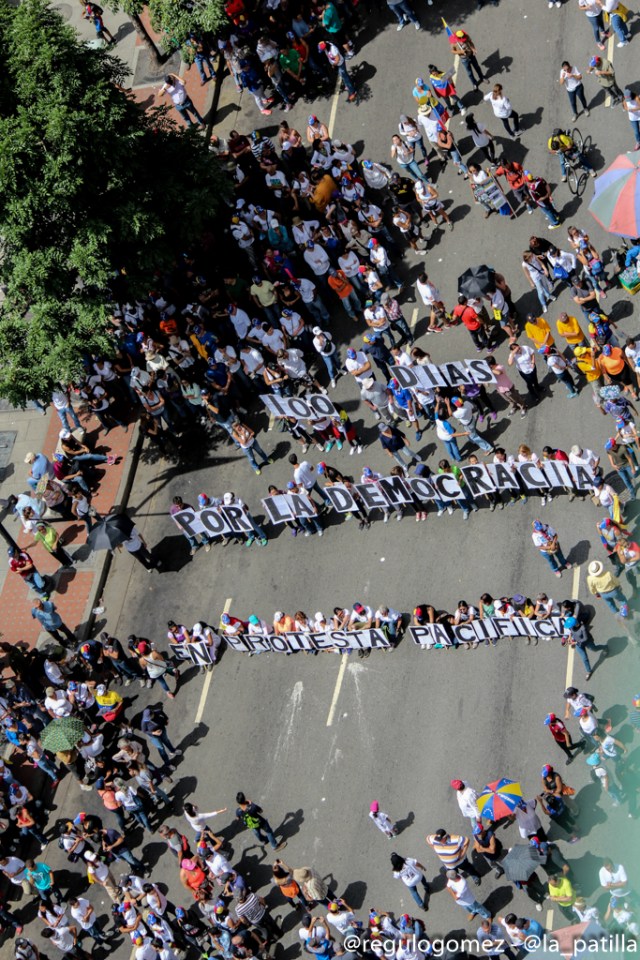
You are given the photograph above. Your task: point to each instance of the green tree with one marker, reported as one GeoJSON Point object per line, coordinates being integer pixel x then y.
{"type": "Point", "coordinates": [91, 186]}
{"type": "Point", "coordinates": [174, 20]}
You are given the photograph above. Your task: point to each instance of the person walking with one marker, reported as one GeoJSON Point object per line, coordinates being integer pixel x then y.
{"type": "Point", "coordinates": [395, 444]}
{"type": "Point", "coordinates": [459, 890]}
{"type": "Point", "coordinates": [154, 724]}
{"type": "Point", "coordinates": [545, 539]}
{"type": "Point", "coordinates": [337, 61]}
{"type": "Point", "coordinates": [606, 77]}
{"type": "Point", "coordinates": [523, 357]}
{"type": "Point", "coordinates": [463, 46]}
{"type": "Point", "coordinates": [382, 820]}
{"type": "Point", "coordinates": [453, 852]}
{"type": "Point", "coordinates": [605, 586]}
{"type": "Point", "coordinates": [632, 105]}
{"type": "Point", "coordinates": [562, 737]}
{"type": "Point", "coordinates": [21, 563]}
{"type": "Point", "coordinates": [404, 13]}
{"type": "Point", "coordinates": [253, 818]}
{"type": "Point", "coordinates": [616, 15]}
{"type": "Point", "coordinates": [174, 86]}
{"type": "Point", "coordinates": [45, 612]}
{"type": "Point", "coordinates": [576, 635]}
{"type": "Point", "coordinates": [245, 438]}
{"type": "Point", "coordinates": [571, 80]}
{"type": "Point", "coordinates": [48, 536]}
{"type": "Point", "coordinates": [405, 156]}
{"type": "Point", "coordinates": [503, 110]}
{"type": "Point", "coordinates": [411, 872]}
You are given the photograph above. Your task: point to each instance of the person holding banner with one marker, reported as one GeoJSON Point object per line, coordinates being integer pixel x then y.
{"type": "Point", "coordinates": [394, 443]}
{"type": "Point", "coordinates": [545, 539]}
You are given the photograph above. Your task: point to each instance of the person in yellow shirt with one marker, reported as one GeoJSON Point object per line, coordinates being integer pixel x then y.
{"type": "Point", "coordinates": [569, 328]}
{"type": "Point", "coordinates": [562, 893]}
{"type": "Point", "coordinates": [539, 331]}
{"type": "Point", "coordinates": [585, 362]}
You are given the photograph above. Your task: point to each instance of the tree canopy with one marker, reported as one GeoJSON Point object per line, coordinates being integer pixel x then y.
{"type": "Point", "coordinates": [91, 186]}
{"type": "Point", "coordinates": [174, 20]}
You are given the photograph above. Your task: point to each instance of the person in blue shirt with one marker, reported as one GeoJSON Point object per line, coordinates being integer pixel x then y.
{"type": "Point", "coordinates": [44, 611]}
{"type": "Point", "coordinates": [403, 399]}
{"type": "Point", "coordinates": [633, 255]}
{"type": "Point", "coordinates": [532, 931]}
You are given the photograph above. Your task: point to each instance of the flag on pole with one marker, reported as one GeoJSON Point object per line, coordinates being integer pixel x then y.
{"type": "Point", "coordinates": [447, 27]}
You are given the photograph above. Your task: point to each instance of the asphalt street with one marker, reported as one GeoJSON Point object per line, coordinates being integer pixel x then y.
{"type": "Point", "coordinates": [316, 739]}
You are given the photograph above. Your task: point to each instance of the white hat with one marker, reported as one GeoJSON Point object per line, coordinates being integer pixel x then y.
{"type": "Point", "coordinates": [320, 616]}
{"type": "Point", "coordinates": [317, 331]}
{"type": "Point", "coordinates": [101, 689]}
{"type": "Point", "coordinates": [227, 498]}
{"type": "Point", "coordinates": [90, 856]}
{"type": "Point", "coordinates": [595, 568]}
{"type": "Point", "coordinates": [368, 383]}
{"type": "Point", "coordinates": [273, 224]}
{"type": "Point", "coordinates": [30, 457]}
{"type": "Point", "coordinates": [64, 434]}
{"type": "Point", "coordinates": [278, 615]}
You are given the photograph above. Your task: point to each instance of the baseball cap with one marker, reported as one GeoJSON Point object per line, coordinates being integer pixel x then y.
{"type": "Point", "coordinates": [291, 485]}
{"type": "Point", "coordinates": [322, 467]}
{"type": "Point", "coordinates": [203, 499]}
{"type": "Point", "coordinates": [351, 354]}
{"type": "Point", "coordinates": [225, 618]}
{"type": "Point", "coordinates": [594, 61]}
{"type": "Point", "coordinates": [584, 712]}
{"type": "Point", "coordinates": [367, 164]}
{"type": "Point", "coordinates": [549, 719]}
{"type": "Point", "coordinates": [180, 912]}
{"type": "Point", "coordinates": [610, 443]}
{"type": "Point", "coordinates": [477, 828]}
{"type": "Point", "coordinates": [607, 350]}
{"type": "Point", "coordinates": [593, 760]}
{"type": "Point", "coordinates": [312, 119]}
{"type": "Point", "coordinates": [101, 689]}
{"type": "Point", "coordinates": [278, 615]}
{"type": "Point", "coordinates": [570, 623]}
{"type": "Point", "coordinates": [254, 620]}
{"type": "Point", "coordinates": [537, 525]}
{"type": "Point", "coordinates": [546, 770]}
{"type": "Point", "coordinates": [597, 481]}
{"type": "Point", "coordinates": [457, 784]}
{"type": "Point", "coordinates": [367, 472]}
{"type": "Point", "coordinates": [374, 806]}
{"type": "Point", "coordinates": [227, 498]}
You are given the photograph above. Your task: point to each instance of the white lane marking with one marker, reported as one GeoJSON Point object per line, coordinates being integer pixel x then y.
{"type": "Point", "coordinates": [337, 688]}
{"type": "Point", "coordinates": [414, 318]}
{"type": "Point", "coordinates": [548, 923]}
{"type": "Point", "coordinates": [575, 589]}
{"type": "Point", "coordinates": [209, 676]}
{"type": "Point", "coordinates": [610, 49]}
{"type": "Point", "coordinates": [334, 110]}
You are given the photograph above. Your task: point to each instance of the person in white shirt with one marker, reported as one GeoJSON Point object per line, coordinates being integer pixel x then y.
{"type": "Point", "coordinates": [467, 799]}
{"type": "Point", "coordinates": [358, 365]}
{"type": "Point", "coordinates": [503, 110]}
{"type": "Point", "coordinates": [411, 872]}
{"type": "Point", "coordinates": [571, 80]}
{"type": "Point", "coordinates": [324, 345]}
{"type": "Point", "coordinates": [528, 821]}
{"type": "Point", "coordinates": [376, 176]}
{"type": "Point", "coordinates": [583, 457]}
{"type": "Point", "coordinates": [197, 820]}
{"type": "Point", "coordinates": [240, 320]}
{"type": "Point", "coordinates": [560, 368]}
{"type": "Point", "coordinates": [619, 25]}
{"type": "Point", "coordinates": [523, 358]}
{"type": "Point", "coordinates": [613, 879]}
{"type": "Point", "coordinates": [382, 820]}
{"type": "Point", "coordinates": [317, 259]}
{"type": "Point", "coordinates": [56, 703]}
{"type": "Point", "coordinates": [459, 890]}
{"type": "Point", "coordinates": [304, 230]}
{"type": "Point", "coordinates": [183, 103]}
{"type": "Point", "coordinates": [83, 913]}
{"type": "Point", "coordinates": [349, 263]}
{"type": "Point", "coordinates": [432, 298]}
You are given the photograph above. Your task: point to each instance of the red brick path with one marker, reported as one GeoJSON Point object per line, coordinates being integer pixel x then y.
{"type": "Point", "coordinates": [74, 588]}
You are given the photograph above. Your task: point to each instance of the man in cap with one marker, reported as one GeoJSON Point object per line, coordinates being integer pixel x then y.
{"type": "Point", "coordinates": [376, 398]}
{"type": "Point", "coordinates": [605, 586]}
{"type": "Point", "coordinates": [21, 563]}
{"type": "Point", "coordinates": [467, 799]}
{"type": "Point", "coordinates": [562, 737]}
{"type": "Point", "coordinates": [463, 46]}
{"type": "Point", "coordinates": [45, 612]}
{"type": "Point", "coordinates": [41, 469]}
{"type": "Point", "coordinates": [452, 850]}
{"type": "Point", "coordinates": [576, 635]}
{"type": "Point", "coordinates": [545, 539]}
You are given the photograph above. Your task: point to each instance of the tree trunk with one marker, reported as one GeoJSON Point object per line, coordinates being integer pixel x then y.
{"type": "Point", "coordinates": [146, 39]}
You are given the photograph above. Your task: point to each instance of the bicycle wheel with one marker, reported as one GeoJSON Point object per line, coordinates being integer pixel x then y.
{"type": "Point", "coordinates": [581, 184]}
{"type": "Point", "coordinates": [572, 180]}
{"type": "Point", "coordinates": [576, 136]}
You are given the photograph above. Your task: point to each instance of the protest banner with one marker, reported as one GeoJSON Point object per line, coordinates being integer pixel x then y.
{"type": "Point", "coordinates": [490, 193]}
{"type": "Point", "coordinates": [309, 407]}
{"type": "Point", "coordinates": [338, 640]}
{"type": "Point", "coordinates": [197, 651]}
{"type": "Point", "coordinates": [490, 628]}
{"type": "Point", "coordinates": [454, 374]}
{"type": "Point", "coordinates": [389, 493]}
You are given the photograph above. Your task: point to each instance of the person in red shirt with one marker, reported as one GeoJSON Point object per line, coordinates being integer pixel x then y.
{"type": "Point", "coordinates": [514, 175]}
{"type": "Point", "coordinates": [562, 736]}
{"type": "Point", "coordinates": [472, 322]}
{"type": "Point", "coordinates": [21, 563]}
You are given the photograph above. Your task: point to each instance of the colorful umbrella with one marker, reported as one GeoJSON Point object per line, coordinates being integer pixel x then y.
{"type": "Point", "coordinates": [616, 200]}
{"type": "Point", "coordinates": [62, 734]}
{"type": "Point", "coordinates": [499, 799]}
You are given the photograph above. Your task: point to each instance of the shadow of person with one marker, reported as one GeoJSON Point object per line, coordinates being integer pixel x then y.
{"type": "Point", "coordinates": [405, 822]}
{"type": "Point", "coordinates": [290, 825]}
{"type": "Point", "coordinates": [355, 894]}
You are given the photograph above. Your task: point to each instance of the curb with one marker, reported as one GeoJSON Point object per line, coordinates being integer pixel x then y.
{"type": "Point", "coordinates": [122, 499]}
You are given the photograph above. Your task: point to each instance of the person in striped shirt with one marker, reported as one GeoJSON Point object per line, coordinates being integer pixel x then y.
{"type": "Point", "coordinates": [452, 850]}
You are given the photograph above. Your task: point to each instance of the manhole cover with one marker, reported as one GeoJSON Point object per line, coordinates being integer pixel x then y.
{"type": "Point", "coordinates": [65, 10]}
{"type": "Point", "coordinates": [7, 440]}
{"type": "Point", "coordinates": [148, 71]}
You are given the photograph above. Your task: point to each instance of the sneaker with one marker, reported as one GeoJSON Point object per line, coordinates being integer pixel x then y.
{"type": "Point", "coordinates": [574, 116]}
{"type": "Point", "coordinates": [320, 533]}
{"type": "Point", "coordinates": [624, 610]}
{"type": "Point", "coordinates": [333, 384]}
{"type": "Point", "coordinates": [400, 26]}
{"type": "Point", "coordinates": [194, 550]}
{"type": "Point", "coordinates": [417, 26]}
{"type": "Point", "coordinates": [359, 448]}
{"type": "Point", "coordinates": [419, 435]}
{"type": "Point", "coordinates": [523, 413]}
{"type": "Point", "coordinates": [450, 511]}
{"type": "Point", "coordinates": [328, 446]}
{"type": "Point", "coordinates": [352, 450]}
{"type": "Point", "coordinates": [554, 226]}
{"type": "Point", "coordinates": [249, 541]}
{"type": "Point", "coordinates": [563, 179]}
{"type": "Point", "coordinates": [263, 542]}
{"type": "Point", "coordinates": [539, 907]}
{"type": "Point", "coordinates": [386, 518]}
{"type": "Point", "coordinates": [339, 444]}
{"type": "Point", "coordinates": [266, 113]}
{"type": "Point", "coordinates": [593, 174]}
{"type": "Point", "coordinates": [207, 547]}
{"type": "Point", "coordinates": [623, 43]}
{"type": "Point", "coordinates": [587, 113]}
{"type": "Point", "coordinates": [305, 447]}
{"type": "Point", "coordinates": [439, 513]}
{"type": "Point", "coordinates": [257, 471]}
{"type": "Point", "coordinates": [352, 97]}
{"type": "Point", "coordinates": [307, 533]}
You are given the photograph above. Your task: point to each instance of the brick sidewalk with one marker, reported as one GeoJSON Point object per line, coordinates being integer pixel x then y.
{"type": "Point", "coordinates": [73, 588]}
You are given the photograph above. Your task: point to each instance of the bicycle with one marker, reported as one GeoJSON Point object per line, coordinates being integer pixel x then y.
{"type": "Point", "coordinates": [577, 176]}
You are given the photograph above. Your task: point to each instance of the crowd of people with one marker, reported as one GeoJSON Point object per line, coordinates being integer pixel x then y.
{"type": "Point", "coordinates": [312, 290]}
{"type": "Point", "coordinates": [222, 912]}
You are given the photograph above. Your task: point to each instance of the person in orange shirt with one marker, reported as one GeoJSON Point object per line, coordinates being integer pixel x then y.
{"type": "Point", "coordinates": [613, 365]}
{"type": "Point", "coordinates": [283, 623]}
{"type": "Point", "coordinates": [538, 331]}
{"type": "Point", "coordinates": [343, 288]}
{"type": "Point", "coordinates": [569, 328]}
